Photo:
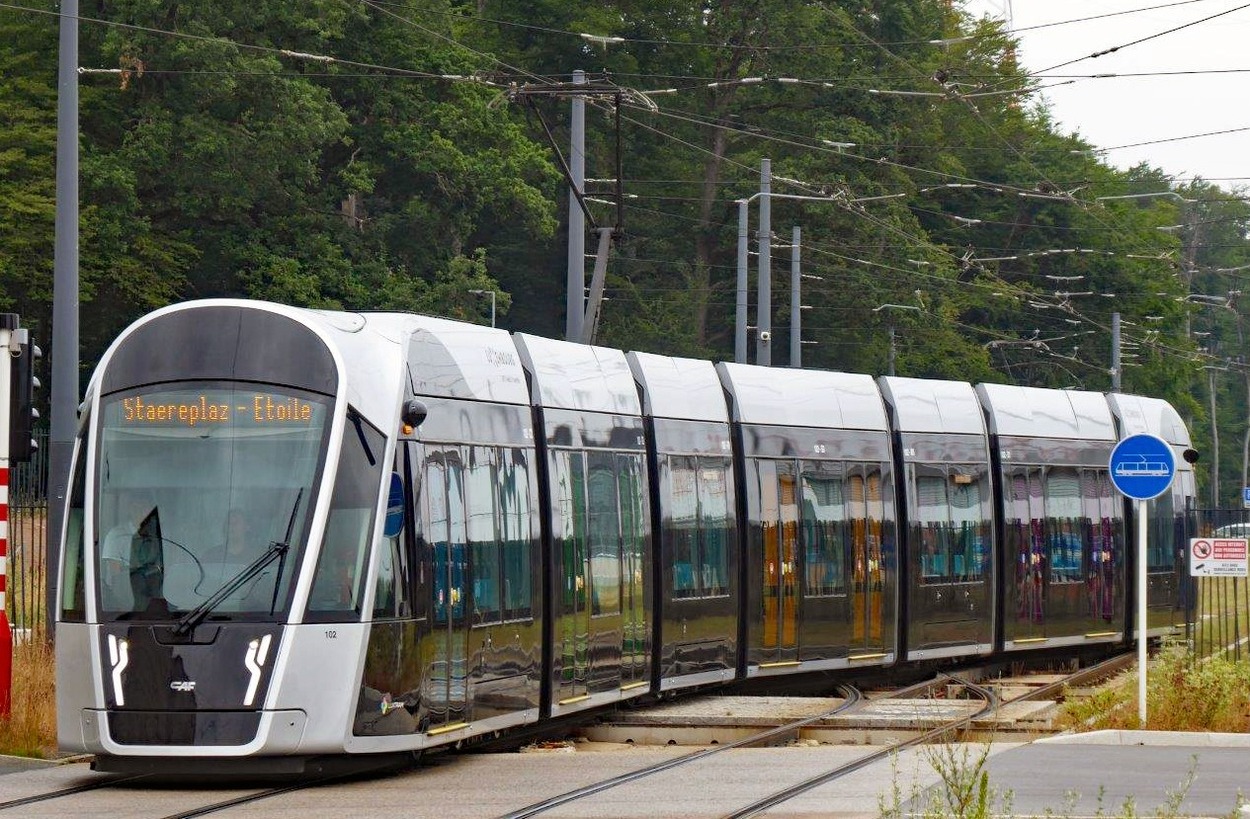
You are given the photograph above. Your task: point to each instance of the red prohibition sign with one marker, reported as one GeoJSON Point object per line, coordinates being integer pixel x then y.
{"type": "Point", "coordinates": [1202, 549]}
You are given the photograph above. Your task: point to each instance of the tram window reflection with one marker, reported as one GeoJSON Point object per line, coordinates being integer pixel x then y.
{"type": "Point", "coordinates": [824, 526]}
{"type": "Point", "coordinates": [604, 530]}
{"type": "Point", "coordinates": [697, 525]}
{"type": "Point", "coordinates": [338, 580]}
{"type": "Point", "coordinates": [483, 534]}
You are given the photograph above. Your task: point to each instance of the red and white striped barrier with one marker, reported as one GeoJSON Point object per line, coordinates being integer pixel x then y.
{"type": "Point", "coordinates": [8, 324]}
{"type": "Point", "coordinates": [6, 634]}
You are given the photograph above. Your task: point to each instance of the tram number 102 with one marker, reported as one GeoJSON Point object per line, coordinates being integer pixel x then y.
{"type": "Point", "coordinates": [331, 634]}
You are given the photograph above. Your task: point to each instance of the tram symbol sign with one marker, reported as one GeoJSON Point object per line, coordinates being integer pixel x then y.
{"type": "Point", "coordinates": [1218, 557]}
{"type": "Point", "coordinates": [1142, 466]}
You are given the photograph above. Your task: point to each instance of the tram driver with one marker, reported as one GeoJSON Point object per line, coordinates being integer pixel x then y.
{"type": "Point", "coordinates": [131, 562]}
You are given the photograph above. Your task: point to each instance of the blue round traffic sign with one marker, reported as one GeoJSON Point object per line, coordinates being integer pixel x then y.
{"type": "Point", "coordinates": [1142, 466]}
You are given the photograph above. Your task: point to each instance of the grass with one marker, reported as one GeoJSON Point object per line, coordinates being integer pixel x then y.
{"type": "Point", "coordinates": [30, 729]}
{"type": "Point", "coordinates": [1182, 694]}
{"type": "Point", "coordinates": [1223, 615]}
{"type": "Point", "coordinates": [964, 791]}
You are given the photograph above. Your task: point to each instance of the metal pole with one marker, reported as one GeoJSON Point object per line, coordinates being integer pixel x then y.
{"type": "Point", "coordinates": [63, 351]}
{"type": "Point", "coordinates": [8, 324]}
{"type": "Point", "coordinates": [740, 323]}
{"type": "Point", "coordinates": [1215, 443]}
{"type": "Point", "coordinates": [1115, 352]}
{"type": "Point", "coordinates": [595, 302]}
{"type": "Point", "coordinates": [574, 302]}
{"type": "Point", "coordinates": [796, 306]}
{"type": "Point", "coordinates": [764, 299]}
{"type": "Point", "coordinates": [890, 366]}
{"type": "Point", "coordinates": [1140, 512]}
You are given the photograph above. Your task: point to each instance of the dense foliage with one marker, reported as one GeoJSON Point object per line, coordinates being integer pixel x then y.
{"type": "Point", "coordinates": [380, 154]}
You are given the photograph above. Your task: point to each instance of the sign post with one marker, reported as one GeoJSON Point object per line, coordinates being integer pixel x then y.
{"type": "Point", "coordinates": [1142, 468]}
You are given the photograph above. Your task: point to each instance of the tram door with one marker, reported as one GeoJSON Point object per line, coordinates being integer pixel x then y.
{"type": "Point", "coordinates": [448, 669]}
{"type": "Point", "coordinates": [569, 537]}
{"type": "Point", "coordinates": [779, 521]}
{"type": "Point", "coordinates": [866, 512]}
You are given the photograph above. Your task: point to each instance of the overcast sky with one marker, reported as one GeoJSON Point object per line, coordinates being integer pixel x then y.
{"type": "Point", "coordinates": [1118, 111]}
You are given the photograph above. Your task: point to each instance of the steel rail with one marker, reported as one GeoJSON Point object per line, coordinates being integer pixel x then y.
{"type": "Point", "coordinates": [70, 791]}
{"type": "Point", "coordinates": [853, 698]}
{"type": "Point", "coordinates": [786, 794]}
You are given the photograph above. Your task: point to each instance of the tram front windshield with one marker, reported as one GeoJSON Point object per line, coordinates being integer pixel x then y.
{"type": "Point", "coordinates": [199, 486]}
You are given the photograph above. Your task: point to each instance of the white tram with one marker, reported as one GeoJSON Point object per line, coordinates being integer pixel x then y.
{"type": "Point", "coordinates": [294, 533]}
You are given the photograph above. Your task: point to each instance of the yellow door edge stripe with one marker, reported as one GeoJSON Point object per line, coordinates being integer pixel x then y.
{"type": "Point", "coordinates": [571, 700]}
{"type": "Point", "coordinates": [1102, 634]}
{"type": "Point", "coordinates": [638, 684]}
{"type": "Point", "coordinates": [854, 657]}
{"type": "Point", "coordinates": [786, 664]}
{"type": "Point", "coordinates": [1030, 640]}
{"type": "Point", "coordinates": [443, 729]}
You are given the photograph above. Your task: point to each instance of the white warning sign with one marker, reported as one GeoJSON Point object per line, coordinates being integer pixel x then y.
{"type": "Point", "coordinates": [1218, 557]}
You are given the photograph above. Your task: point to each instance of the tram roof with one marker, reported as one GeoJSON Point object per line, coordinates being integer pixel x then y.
{"type": "Point", "coordinates": [1154, 416]}
{"type": "Point", "coordinates": [803, 398]}
{"type": "Point", "coordinates": [923, 405]}
{"type": "Point", "coordinates": [578, 376]}
{"type": "Point", "coordinates": [452, 359]}
{"type": "Point", "coordinates": [683, 388]}
{"type": "Point", "coordinates": [1033, 412]}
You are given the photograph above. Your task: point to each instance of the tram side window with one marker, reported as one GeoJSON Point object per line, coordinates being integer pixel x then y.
{"type": "Point", "coordinates": [604, 530]}
{"type": "Point", "coordinates": [870, 553]}
{"type": "Point", "coordinates": [516, 531]}
{"type": "Point", "coordinates": [1025, 517]}
{"type": "Point", "coordinates": [568, 526]}
{"type": "Point", "coordinates": [683, 525]}
{"type": "Point", "coordinates": [391, 589]}
{"type": "Point", "coordinates": [451, 554]}
{"type": "Point", "coordinates": [952, 523]}
{"type": "Point", "coordinates": [824, 524]}
{"type": "Point", "coordinates": [1065, 541]}
{"type": "Point", "coordinates": [970, 519]}
{"type": "Point", "coordinates": [483, 530]}
{"type": "Point", "coordinates": [633, 489]}
{"type": "Point", "coordinates": [436, 532]}
{"type": "Point", "coordinates": [715, 527]}
{"type": "Point", "coordinates": [73, 585]}
{"type": "Point", "coordinates": [1102, 525]}
{"type": "Point", "coordinates": [932, 523]}
{"type": "Point", "coordinates": [698, 525]}
{"type": "Point", "coordinates": [1162, 540]}
{"type": "Point", "coordinates": [339, 577]}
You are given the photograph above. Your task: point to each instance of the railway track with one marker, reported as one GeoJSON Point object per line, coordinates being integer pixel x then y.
{"type": "Point", "coordinates": [991, 703]}
{"type": "Point", "coordinates": [248, 797]}
{"type": "Point", "coordinates": [239, 799]}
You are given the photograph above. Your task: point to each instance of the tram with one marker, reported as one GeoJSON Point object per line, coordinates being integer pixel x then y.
{"type": "Point", "coordinates": [295, 534]}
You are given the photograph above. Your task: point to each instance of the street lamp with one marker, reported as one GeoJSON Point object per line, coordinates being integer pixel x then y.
{"type": "Point", "coordinates": [490, 293]}
{"type": "Point", "coordinates": [878, 309]}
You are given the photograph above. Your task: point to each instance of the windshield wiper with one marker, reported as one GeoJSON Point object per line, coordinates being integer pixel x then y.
{"type": "Point", "coordinates": [286, 540]}
{"type": "Point", "coordinates": [276, 550]}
